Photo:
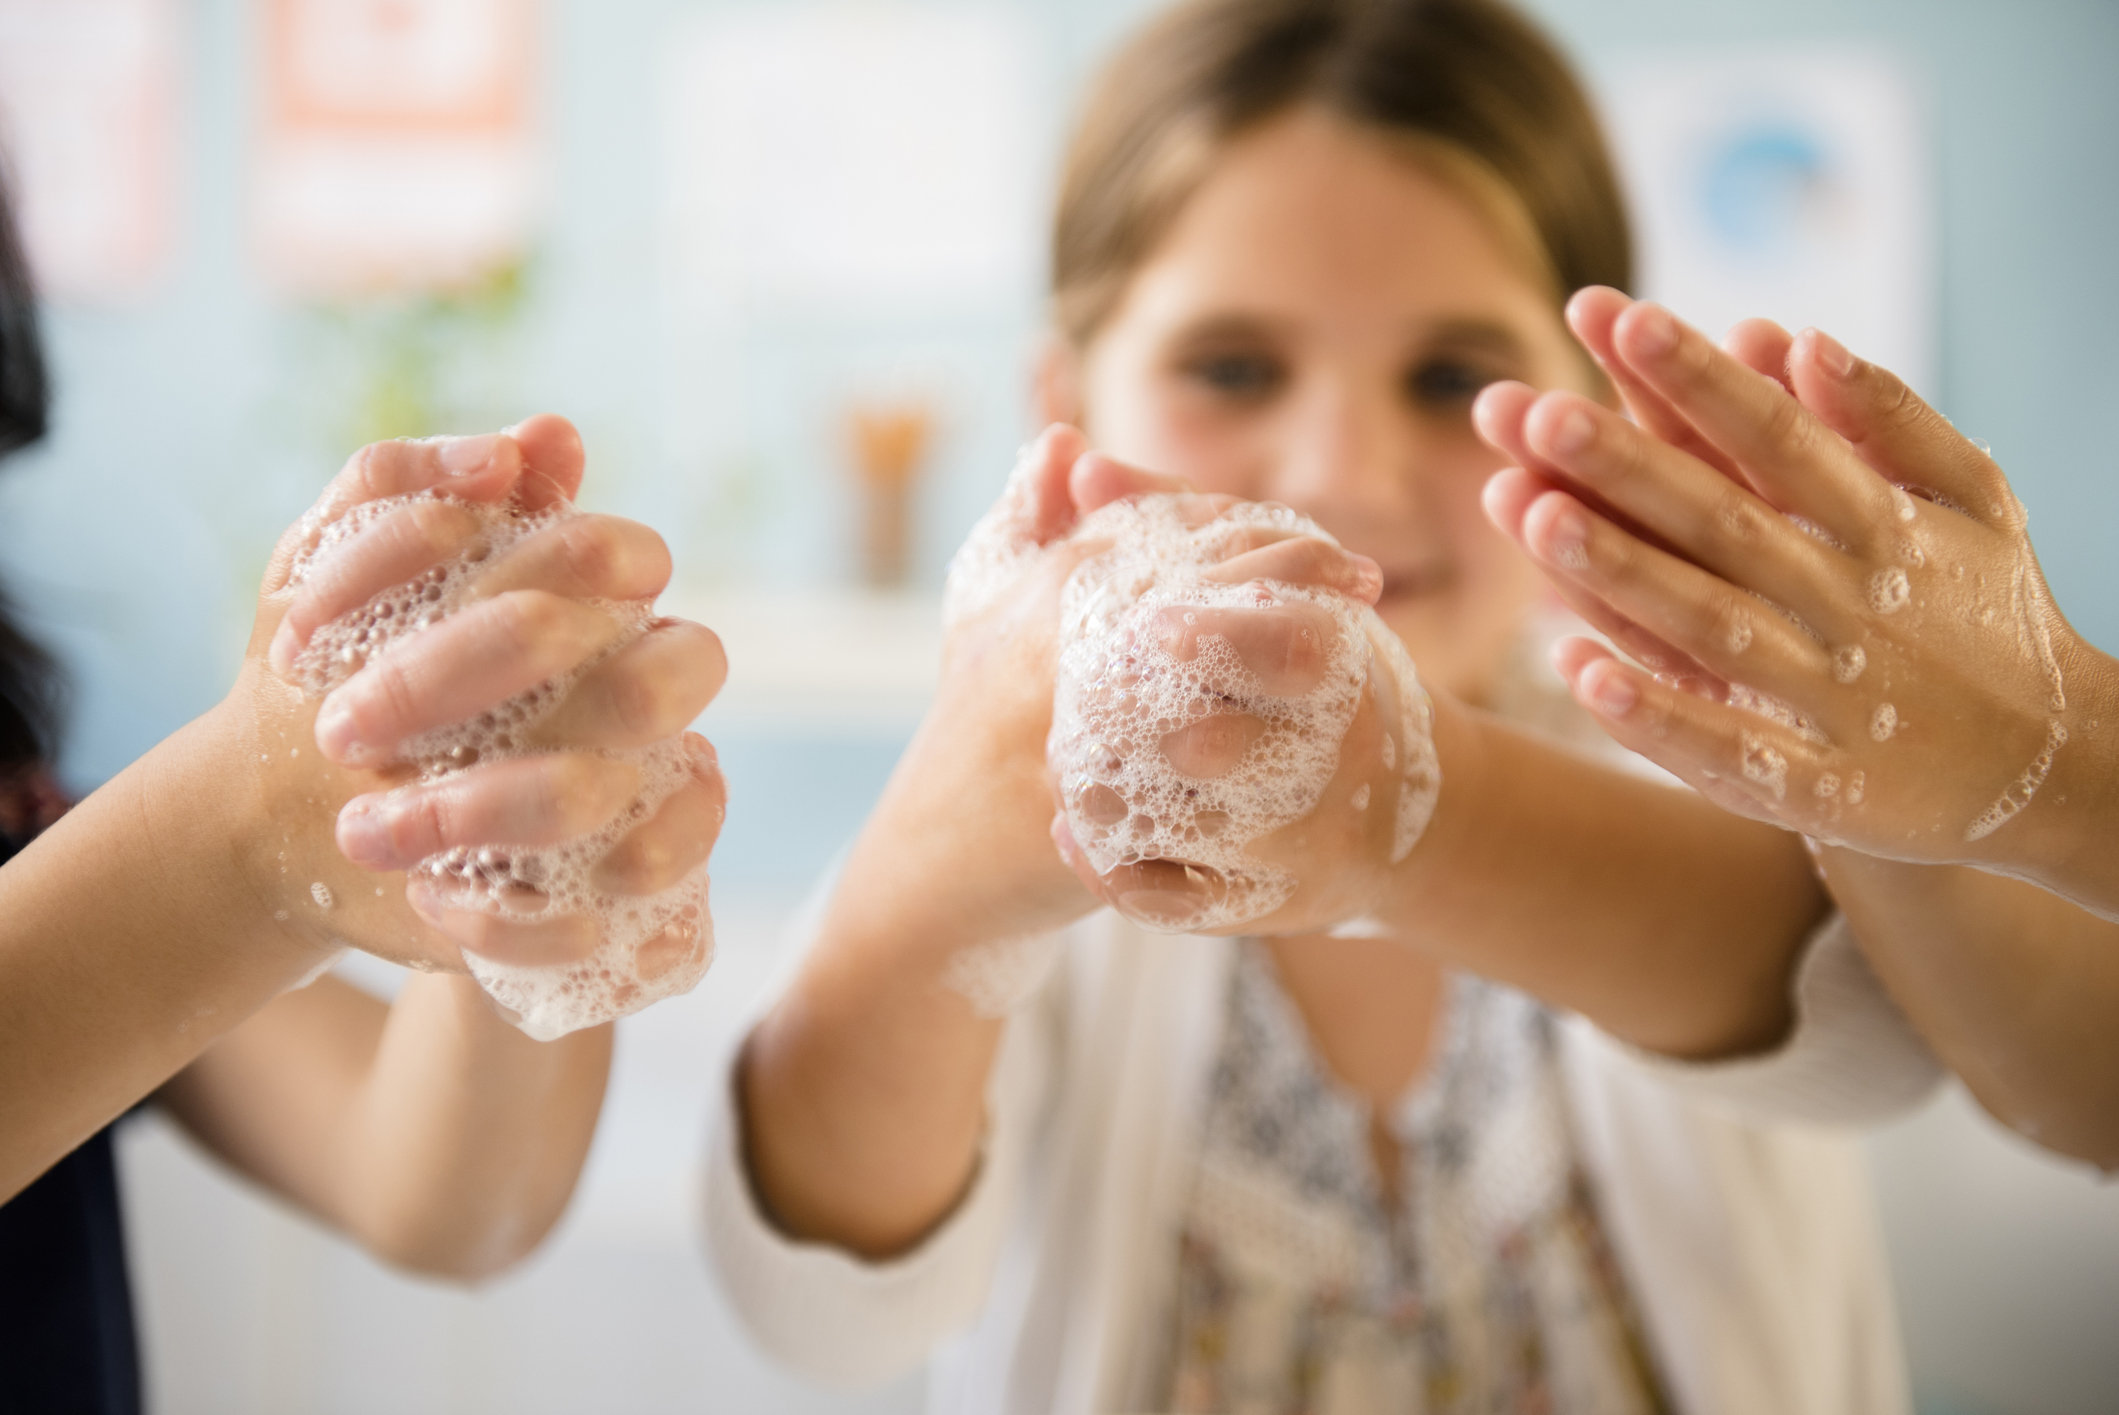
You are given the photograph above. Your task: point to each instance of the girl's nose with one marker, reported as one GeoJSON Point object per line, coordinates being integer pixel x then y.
{"type": "Point", "coordinates": [1348, 453]}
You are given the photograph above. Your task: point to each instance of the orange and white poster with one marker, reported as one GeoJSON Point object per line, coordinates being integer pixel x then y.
{"type": "Point", "coordinates": [398, 149]}
{"type": "Point", "coordinates": [88, 120]}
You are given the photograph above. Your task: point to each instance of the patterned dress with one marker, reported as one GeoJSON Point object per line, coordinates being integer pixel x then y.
{"type": "Point", "coordinates": [1486, 1287]}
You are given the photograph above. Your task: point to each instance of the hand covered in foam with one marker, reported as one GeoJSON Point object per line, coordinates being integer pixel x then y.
{"type": "Point", "coordinates": [1850, 632]}
{"type": "Point", "coordinates": [488, 682]}
{"type": "Point", "coordinates": [1236, 741]}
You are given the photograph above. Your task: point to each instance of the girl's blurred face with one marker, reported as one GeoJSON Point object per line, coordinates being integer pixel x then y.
{"type": "Point", "coordinates": [1312, 331]}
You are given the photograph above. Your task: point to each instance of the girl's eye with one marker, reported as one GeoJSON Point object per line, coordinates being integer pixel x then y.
{"type": "Point", "coordinates": [1446, 382]}
{"type": "Point", "coordinates": [1244, 376]}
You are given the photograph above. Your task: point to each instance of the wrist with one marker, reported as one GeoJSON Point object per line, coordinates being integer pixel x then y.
{"type": "Point", "coordinates": [1462, 753]}
{"type": "Point", "coordinates": [212, 827]}
{"type": "Point", "coordinates": [2062, 837]}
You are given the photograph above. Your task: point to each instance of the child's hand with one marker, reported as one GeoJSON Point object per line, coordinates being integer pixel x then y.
{"type": "Point", "coordinates": [1240, 744]}
{"type": "Point", "coordinates": [550, 606]}
{"type": "Point", "coordinates": [1815, 534]}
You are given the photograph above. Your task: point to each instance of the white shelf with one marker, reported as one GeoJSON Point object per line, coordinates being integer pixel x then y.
{"type": "Point", "coordinates": [819, 660]}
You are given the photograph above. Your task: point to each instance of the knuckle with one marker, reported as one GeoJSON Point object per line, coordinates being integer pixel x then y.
{"type": "Point", "coordinates": [640, 704]}
{"type": "Point", "coordinates": [591, 553]}
{"type": "Point", "coordinates": [1739, 521]}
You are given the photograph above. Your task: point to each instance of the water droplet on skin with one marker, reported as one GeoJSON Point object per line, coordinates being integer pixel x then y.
{"type": "Point", "coordinates": [1883, 722]}
{"type": "Point", "coordinates": [1848, 663]}
{"type": "Point", "coordinates": [1903, 502]}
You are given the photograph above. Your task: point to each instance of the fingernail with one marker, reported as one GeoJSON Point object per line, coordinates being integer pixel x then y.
{"type": "Point", "coordinates": [461, 456]}
{"type": "Point", "coordinates": [1832, 355]}
{"type": "Point", "coordinates": [363, 834]}
{"type": "Point", "coordinates": [1612, 694]}
{"type": "Point", "coordinates": [1569, 546]}
{"type": "Point", "coordinates": [1655, 331]}
{"type": "Point", "coordinates": [1368, 579]}
{"type": "Point", "coordinates": [1573, 432]}
{"type": "Point", "coordinates": [335, 733]}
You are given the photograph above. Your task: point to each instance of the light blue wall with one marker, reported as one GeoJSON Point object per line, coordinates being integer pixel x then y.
{"type": "Point", "coordinates": [192, 427]}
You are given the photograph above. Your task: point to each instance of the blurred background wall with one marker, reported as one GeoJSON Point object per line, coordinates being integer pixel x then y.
{"type": "Point", "coordinates": [748, 360]}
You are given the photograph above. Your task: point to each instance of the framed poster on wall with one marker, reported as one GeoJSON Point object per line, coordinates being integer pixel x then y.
{"type": "Point", "coordinates": [398, 141]}
{"type": "Point", "coordinates": [88, 141]}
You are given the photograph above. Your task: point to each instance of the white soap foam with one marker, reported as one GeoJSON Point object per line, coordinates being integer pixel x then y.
{"type": "Point", "coordinates": [1889, 590]}
{"type": "Point", "coordinates": [1883, 722]}
{"type": "Point", "coordinates": [2022, 789]}
{"type": "Point", "coordinates": [1848, 663]}
{"type": "Point", "coordinates": [650, 946]}
{"type": "Point", "coordinates": [1119, 694]}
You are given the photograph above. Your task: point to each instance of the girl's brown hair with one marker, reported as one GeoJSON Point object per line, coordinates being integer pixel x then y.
{"type": "Point", "coordinates": [1469, 82]}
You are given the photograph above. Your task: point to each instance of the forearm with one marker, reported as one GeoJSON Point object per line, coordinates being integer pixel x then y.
{"type": "Point", "coordinates": [1668, 922]}
{"type": "Point", "coordinates": [864, 1091]}
{"type": "Point", "coordinates": [429, 1131]}
{"type": "Point", "coordinates": [129, 942]}
{"type": "Point", "coordinates": [2013, 987]}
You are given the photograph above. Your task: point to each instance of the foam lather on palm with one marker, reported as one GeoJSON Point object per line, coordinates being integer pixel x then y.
{"type": "Point", "coordinates": [649, 946]}
{"type": "Point", "coordinates": [1231, 751]}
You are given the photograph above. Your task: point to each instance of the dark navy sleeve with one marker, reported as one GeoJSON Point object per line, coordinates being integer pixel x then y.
{"type": "Point", "coordinates": [66, 1334]}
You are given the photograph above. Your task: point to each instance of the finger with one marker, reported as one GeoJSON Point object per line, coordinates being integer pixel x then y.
{"type": "Point", "coordinates": [1097, 480]}
{"type": "Point", "coordinates": [1593, 314]}
{"type": "Point", "coordinates": [1786, 455]}
{"type": "Point", "coordinates": [1763, 346]}
{"type": "Point", "coordinates": [399, 547]}
{"type": "Point", "coordinates": [486, 468]}
{"type": "Point", "coordinates": [1739, 760]}
{"type": "Point", "coordinates": [467, 664]}
{"type": "Point", "coordinates": [1686, 506]}
{"type": "Point", "coordinates": [583, 557]}
{"type": "Point", "coordinates": [1898, 435]}
{"type": "Point", "coordinates": [553, 460]}
{"type": "Point", "coordinates": [528, 801]}
{"type": "Point", "coordinates": [1211, 746]}
{"type": "Point", "coordinates": [1734, 634]}
{"type": "Point", "coordinates": [1037, 502]}
{"type": "Point", "coordinates": [524, 943]}
{"type": "Point", "coordinates": [1286, 649]}
{"type": "Point", "coordinates": [1304, 560]}
{"type": "Point", "coordinates": [669, 846]}
{"type": "Point", "coordinates": [651, 689]}
{"type": "Point", "coordinates": [1502, 414]}
{"type": "Point", "coordinates": [1507, 497]}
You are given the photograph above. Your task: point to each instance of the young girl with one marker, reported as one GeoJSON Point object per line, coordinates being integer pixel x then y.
{"type": "Point", "coordinates": [1316, 1172]}
{"type": "Point", "coordinates": [154, 938]}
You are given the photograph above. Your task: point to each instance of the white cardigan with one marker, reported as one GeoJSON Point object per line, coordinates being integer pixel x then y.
{"type": "Point", "coordinates": [1750, 1247]}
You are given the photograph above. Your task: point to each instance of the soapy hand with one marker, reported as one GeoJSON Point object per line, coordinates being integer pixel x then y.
{"type": "Point", "coordinates": [1045, 563]}
{"type": "Point", "coordinates": [1238, 742]}
{"type": "Point", "coordinates": [447, 643]}
{"type": "Point", "coordinates": [1848, 632]}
